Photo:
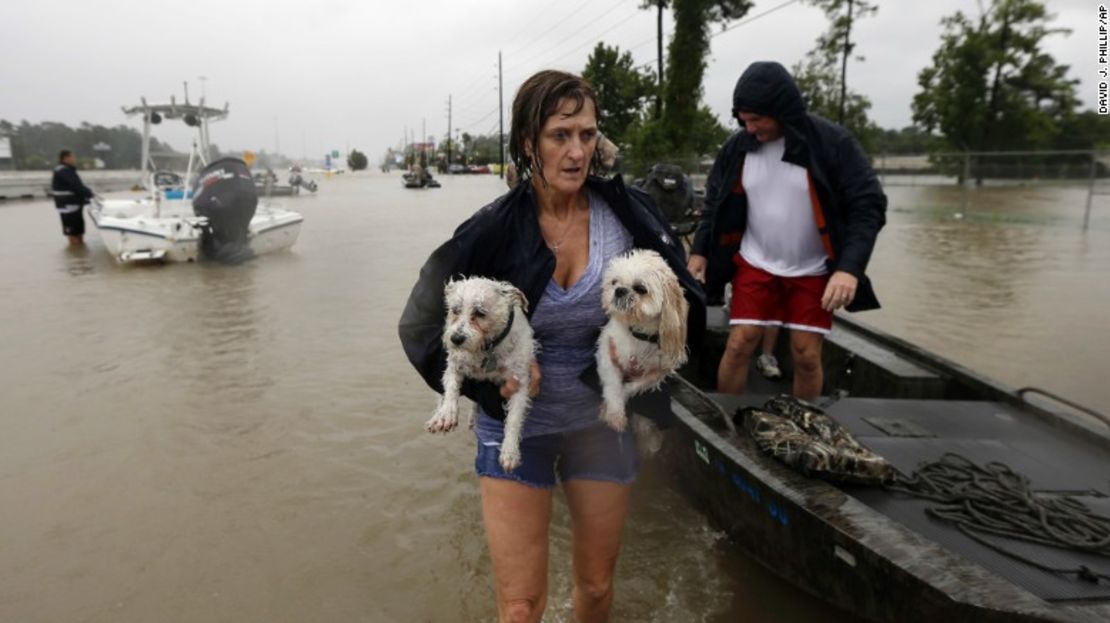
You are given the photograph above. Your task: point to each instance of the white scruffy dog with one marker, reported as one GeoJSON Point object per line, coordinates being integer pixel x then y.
{"type": "Point", "coordinates": [647, 324]}
{"type": "Point", "coordinates": [487, 338]}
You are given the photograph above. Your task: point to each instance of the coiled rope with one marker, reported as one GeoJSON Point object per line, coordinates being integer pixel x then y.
{"type": "Point", "coordinates": [996, 500]}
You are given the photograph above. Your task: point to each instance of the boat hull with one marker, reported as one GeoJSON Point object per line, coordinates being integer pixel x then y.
{"type": "Point", "coordinates": [835, 541]}
{"type": "Point", "coordinates": [768, 511]}
{"type": "Point", "coordinates": [175, 238]}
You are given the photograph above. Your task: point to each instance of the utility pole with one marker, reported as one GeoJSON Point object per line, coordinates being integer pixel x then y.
{"type": "Point", "coordinates": [844, 64]}
{"type": "Point", "coordinates": [448, 129]}
{"type": "Point", "coordinates": [659, 48]}
{"type": "Point", "coordinates": [500, 117]}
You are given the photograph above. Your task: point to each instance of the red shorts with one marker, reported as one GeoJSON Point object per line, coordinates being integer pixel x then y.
{"type": "Point", "coordinates": [760, 298]}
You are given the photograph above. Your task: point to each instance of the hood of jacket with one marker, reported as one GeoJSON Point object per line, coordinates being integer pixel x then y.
{"type": "Point", "coordinates": [766, 88]}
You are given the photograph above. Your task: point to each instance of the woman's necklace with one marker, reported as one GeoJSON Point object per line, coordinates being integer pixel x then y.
{"type": "Point", "coordinates": [554, 246]}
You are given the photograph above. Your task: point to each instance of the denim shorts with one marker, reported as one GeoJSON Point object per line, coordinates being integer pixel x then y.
{"type": "Point", "coordinates": [594, 453]}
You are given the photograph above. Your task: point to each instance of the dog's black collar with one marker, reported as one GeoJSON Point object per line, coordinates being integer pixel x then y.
{"type": "Point", "coordinates": [645, 337]}
{"type": "Point", "coordinates": [504, 333]}
{"type": "Point", "coordinates": [489, 362]}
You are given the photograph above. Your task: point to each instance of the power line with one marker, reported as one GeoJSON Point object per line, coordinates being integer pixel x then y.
{"type": "Point", "coordinates": [743, 22]}
{"type": "Point", "coordinates": [468, 86]}
{"type": "Point", "coordinates": [474, 106]}
{"type": "Point", "coordinates": [531, 60]}
{"type": "Point", "coordinates": [475, 83]}
{"type": "Point", "coordinates": [754, 17]}
{"type": "Point", "coordinates": [483, 118]}
{"type": "Point", "coordinates": [521, 31]}
{"type": "Point", "coordinates": [550, 49]}
{"type": "Point", "coordinates": [596, 39]}
{"type": "Point", "coordinates": [538, 37]}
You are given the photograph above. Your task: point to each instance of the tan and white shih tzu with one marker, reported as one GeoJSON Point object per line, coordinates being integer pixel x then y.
{"type": "Point", "coordinates": [487, 338]}
{"type": "Point", "coordinates": [647, 323]}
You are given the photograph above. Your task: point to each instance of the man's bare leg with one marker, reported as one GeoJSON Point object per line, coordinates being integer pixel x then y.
{"type": "Point", "coordinates": [809, 377]}
{"type": "Point", "coordinates": [770, 337]}
{"type": "Point", "coordinates": [732, 373]}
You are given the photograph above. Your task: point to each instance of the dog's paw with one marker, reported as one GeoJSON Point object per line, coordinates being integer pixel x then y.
{"type": "Point", "coordinates": [444, 421]}
{"type": "Point", "coordinates": [510, 457]}
{"type": "Point", "coordinates": [614, 416]}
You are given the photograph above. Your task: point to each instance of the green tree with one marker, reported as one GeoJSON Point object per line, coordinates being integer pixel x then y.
{"type": "Point", "coordinates": [467, 139]}
{"type": "Point", "coordinates": [909, 140]}
{"type": "Point", "coordinates": [37, 145]}
{"type": "Point", "coordinates": [659, 6]}
{"type": "Point", "coordinates": [821, 76]}
{"type": "Point", "coordinates": [623, 91]}
{"type": "Point", "coordinates": [689, 46]}
{"type": "Point", "coordinates": [649, 143]}
{"type": "Point", "coordinates": [357, 161]}
{"type": "Point", "coordinates": [1085, 130]}
{"type": "Point", "coordinates": [991, 86]}
{"type": "Point", "coordinates": [686, 127]}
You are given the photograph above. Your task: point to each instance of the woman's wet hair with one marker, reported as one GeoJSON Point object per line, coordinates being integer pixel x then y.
{"type": "Point", "coordinates": [538, 99]}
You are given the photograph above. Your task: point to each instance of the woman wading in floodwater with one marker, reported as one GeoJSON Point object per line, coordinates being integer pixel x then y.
{"type": "Point", "coordinates": [552, 236]}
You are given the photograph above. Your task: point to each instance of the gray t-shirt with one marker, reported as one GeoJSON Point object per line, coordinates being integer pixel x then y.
{"type": "Point", "coordinates": [566, 325]}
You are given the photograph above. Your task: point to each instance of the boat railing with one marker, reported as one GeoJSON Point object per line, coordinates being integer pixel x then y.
{"type": "Point", "coordinates": [1064, 401]}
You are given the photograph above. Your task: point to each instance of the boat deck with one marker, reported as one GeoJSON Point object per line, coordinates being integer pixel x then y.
{"type": "Point", "coordinates": [908, 432]}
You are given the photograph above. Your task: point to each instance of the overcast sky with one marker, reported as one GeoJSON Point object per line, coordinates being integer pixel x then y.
{"type": "Point", "coordinates": [331, 73]}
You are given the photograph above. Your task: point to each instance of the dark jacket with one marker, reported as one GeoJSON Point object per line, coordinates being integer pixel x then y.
{"type": "Point", "coordinates": [851, 200]}
{"type": "Point", "coordinates": [67, 188]}
{"type": "Point", "coordinates": [503, 241]}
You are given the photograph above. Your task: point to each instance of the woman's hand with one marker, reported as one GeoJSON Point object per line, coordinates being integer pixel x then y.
{"type": "Point", "coordinates": [696, 266]}
{"type": "Point", "coordinates": [512, 386]}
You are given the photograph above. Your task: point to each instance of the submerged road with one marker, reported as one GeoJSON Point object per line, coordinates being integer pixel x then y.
{"type": "Point", "coordinates": [211, 443]}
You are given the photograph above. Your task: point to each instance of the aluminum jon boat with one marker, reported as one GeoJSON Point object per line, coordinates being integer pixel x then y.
{"type": "Point", "coordinates": [876, 552]}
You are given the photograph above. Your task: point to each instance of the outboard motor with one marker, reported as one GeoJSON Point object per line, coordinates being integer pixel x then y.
{"type": "Point", "coordinates": [225, 195]}
{"type": "Point", "coordinates": [673, 193]}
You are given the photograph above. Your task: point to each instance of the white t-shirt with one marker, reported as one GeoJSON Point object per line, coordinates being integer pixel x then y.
{"type": "Point", "coordinates": [782, 236]}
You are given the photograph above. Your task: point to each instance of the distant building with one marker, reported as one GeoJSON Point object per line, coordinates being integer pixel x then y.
{"type": "Point", "coordinates": [6, 159]}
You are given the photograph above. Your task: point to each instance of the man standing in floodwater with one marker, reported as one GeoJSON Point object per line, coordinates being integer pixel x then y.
{"type": "Point", "coordinates": [70, 197]}
{"type": "Point", "coordinates": [792, 212]}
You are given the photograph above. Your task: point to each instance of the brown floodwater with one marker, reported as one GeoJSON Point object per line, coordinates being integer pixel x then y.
{"type": "Point", "coordinates": [214, 443]}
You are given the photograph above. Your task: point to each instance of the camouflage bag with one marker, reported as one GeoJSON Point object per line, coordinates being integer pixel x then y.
{"type": "Point", "coordinates": [800, 435]}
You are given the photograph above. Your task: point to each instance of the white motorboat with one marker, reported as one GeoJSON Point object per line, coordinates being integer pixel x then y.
{"type": "Point", "coordinates": [163, 225]}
